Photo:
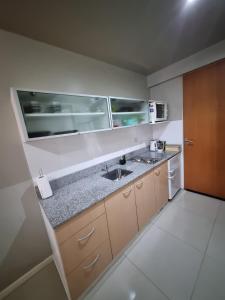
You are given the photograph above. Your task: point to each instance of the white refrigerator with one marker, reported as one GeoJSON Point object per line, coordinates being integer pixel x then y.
{"type": "Point", "coordinates": [174, 175]}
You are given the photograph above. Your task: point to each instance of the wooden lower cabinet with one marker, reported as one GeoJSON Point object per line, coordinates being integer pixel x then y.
{"type": "Point", "coordinates": [69, 228]}
{"type": "Point", "coordinates": [85, 245]}
{"type": "Point", "coordinates": [145, 199]}
{"type": "Point", "coordinates": [161, 185]}
{"type": "Point", "coordinates": [76, 249]}
{"type": "Point", "coordinates": [79, 279]}
{"type": "Point", "coordinates": [122, 218]}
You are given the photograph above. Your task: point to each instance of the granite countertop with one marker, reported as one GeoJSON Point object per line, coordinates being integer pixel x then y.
{"type": "Point", "coordinates": [73, 198]}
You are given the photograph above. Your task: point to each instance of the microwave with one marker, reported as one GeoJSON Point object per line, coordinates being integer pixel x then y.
{"type": "Point", "coordinates": [158, 111]}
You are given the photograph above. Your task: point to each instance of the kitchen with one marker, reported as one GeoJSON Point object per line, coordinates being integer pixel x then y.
{"type": "Point", "coordinates": [37, 67]}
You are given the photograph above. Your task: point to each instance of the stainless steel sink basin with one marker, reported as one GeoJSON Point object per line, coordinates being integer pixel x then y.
{"type": "Point", "coordinates": [116, 174]}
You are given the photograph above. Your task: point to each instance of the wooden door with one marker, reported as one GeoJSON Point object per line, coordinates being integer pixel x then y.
{"type": "Point", "coordinates": [145, 199]}
{"type": "Point", "coordinates": [122, 218]}
{"type": "Point", "coordinates": [161, 185]}
{"type": "Point", "coordinates": [204, 130]}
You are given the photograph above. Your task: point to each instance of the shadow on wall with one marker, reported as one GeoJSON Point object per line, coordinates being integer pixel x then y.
{"type": "Point", "coordinates": [63, 152]}
{"type": "Point", "coordinates": [30, 245]}
{"type": "Point", "coordinates": [49, 281]}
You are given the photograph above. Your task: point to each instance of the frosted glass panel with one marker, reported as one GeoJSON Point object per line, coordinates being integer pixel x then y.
{"type": "Point", "coordinates": [127, 112]}
{"type": "Point", "coordinates": [47, 114]}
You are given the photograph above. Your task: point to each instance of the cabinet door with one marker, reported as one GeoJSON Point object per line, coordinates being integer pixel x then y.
{"type": "Point", "coordinates": [161, 185]}
{"type": "Point", "coordinates": [49, 114]}
{"type": "Point", "coordinates": [129, 112]}
{"type": "Point", "coordinates": [122, 218]}
{"type": "Point", "coordinates": [90, 268]}
{"type": "Point", "coordinates": [145, 199]}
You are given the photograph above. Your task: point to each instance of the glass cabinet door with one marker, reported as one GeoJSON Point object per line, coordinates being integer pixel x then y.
{"type": "Point", "coordinates": [128, 112]}
{"type": "Point", "coordinates": [47, 114]}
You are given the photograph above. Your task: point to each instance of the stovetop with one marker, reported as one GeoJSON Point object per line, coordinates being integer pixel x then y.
{"type": "Point", "coordinates": [150, 161]}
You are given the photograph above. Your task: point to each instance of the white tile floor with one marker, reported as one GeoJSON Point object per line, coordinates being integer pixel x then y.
{"type": "Point", "coordinates": [179, 256]}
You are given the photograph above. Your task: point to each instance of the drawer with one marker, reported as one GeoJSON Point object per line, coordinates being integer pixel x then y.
{"type": "Point", "coordinates": [75, 249]}
{"type": "Point", "coordinates": [89, 269]}
{"type": "Point", "coordinates": [69, 228]}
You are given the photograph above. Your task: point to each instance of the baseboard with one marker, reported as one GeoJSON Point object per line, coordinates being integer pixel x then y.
{"type": "Point", "coordinates": [25, 277]}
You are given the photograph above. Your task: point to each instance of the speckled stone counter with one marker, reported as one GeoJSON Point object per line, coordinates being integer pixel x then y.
{"type": "Point", "coordinates": [77, 192]}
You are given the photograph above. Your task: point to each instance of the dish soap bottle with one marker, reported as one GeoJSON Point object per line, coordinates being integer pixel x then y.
{"type": "Point", "coordinates": [122, 160]}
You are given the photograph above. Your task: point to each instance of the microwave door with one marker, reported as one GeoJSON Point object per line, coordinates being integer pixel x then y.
{"type": "Point", "coordinates": [160, 111]}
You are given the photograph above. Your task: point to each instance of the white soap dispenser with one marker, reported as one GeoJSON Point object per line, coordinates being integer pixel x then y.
{"type": "Point", "coordinates": [43, 185]}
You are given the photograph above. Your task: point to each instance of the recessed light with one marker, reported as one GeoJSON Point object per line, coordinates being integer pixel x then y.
{"type": "Point", "coordinates": [190, 1]}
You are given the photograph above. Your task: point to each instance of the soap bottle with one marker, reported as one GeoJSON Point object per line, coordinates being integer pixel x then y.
{"type": "Point", "coordinates": [122, 160]}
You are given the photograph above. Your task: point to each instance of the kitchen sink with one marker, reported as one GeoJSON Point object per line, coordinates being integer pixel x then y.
{"type": "Point", "coordinates": [116, 174]}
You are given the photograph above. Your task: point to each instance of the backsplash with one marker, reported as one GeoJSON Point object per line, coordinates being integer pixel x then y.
{"type": "Point", "coordinates": [60, 153]}
{"type": "Point", "coordinates": [68, 179]}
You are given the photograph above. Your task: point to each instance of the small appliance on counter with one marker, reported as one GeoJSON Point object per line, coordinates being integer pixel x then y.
{"type": "Point", "coordinates": [161, 146]}
{"type": "Point", "coordinates": [157, 145]}
{"type": "Point", "coordinates": [158, 111]}
{"type": "Point", "coordinates": [153, 145]}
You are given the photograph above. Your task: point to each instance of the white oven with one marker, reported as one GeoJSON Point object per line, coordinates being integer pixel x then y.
{"type": "Point", "coordinates": [158, 111]}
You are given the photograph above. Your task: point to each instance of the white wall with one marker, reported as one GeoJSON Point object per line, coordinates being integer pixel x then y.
{"type": "Point", "coordinates": [199, 59]}
{"type": "Point", "coordinates": [25, 63]}
{"type": "Point", "coordinates": [167, 85]}
{"type": "Point", "coordinates": [31, 64]}
{"type": "Point", "coordinates": [171, 92]}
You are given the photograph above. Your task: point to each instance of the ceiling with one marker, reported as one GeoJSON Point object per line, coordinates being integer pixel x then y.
{"type": "Point", "coordinates": [139, 35]}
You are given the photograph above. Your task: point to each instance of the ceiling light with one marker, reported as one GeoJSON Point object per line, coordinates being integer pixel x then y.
{"type": "Point", "coordinates": [190, 1]}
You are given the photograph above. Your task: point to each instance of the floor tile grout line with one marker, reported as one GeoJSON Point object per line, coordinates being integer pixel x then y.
{"type": "Point", "coordinates": [197, 214]}
{"type": "Point", "coordinates": [202, 252]}
{"type": "Point", "coordinates": [205, 253]}
{"type": "Point", "coordinates": [149, 279]}
{"type": "Point", "coordinates": [179, 239]}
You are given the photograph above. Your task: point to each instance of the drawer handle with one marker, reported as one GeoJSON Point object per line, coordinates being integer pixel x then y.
{"type": "Point", "coordinates": [157, 173]}
{"type": "Point", "coordinates": [172, 172]}
{"type": "Point", "coordinates": [126, 194]}
{"type": "Point", "coordinates": [87, 236]}
{"type": "Point", "coordinates": [92, 263]}
{"type": "Point", "coordinates": [139, 184]}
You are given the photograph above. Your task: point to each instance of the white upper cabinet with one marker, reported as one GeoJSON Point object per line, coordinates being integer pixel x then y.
{"type": "Point", "coordinates": [46, 115]}
{"type": "Point", "coordinates": [128, 112]}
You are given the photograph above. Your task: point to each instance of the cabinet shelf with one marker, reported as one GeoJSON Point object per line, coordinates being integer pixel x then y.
{"type": "Point", "coordinates": [159, 122]}
{"type": "Point", "coordinates": [129, 113]}
{"type": "Point", "coordinates": [40, 115]}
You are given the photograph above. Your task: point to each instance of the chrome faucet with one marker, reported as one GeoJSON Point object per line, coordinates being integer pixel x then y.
{"type": "Point", "coordinates": [106, 168]}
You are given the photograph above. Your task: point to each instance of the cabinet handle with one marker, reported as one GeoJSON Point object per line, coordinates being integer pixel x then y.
{"type": "Point", "coordinates": [139, 184]}
{"type": "Point", "coordinates": [87, 236]}
{"type": "Point", "coordinates": [126, 194]}
{"type": "Point", "coordinates": [92, 263]}
{"type": "Point", "coordinates": [157, 173]}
